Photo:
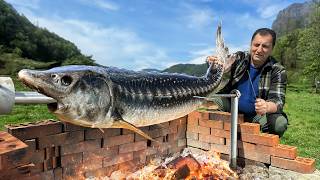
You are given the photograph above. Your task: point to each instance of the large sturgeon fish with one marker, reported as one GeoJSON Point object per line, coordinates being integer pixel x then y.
{"type": "Point", "coordinates": [108, 97]}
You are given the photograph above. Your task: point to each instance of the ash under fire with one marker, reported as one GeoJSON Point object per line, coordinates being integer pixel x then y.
{"type": "Point", "coordinates": [187, 165]}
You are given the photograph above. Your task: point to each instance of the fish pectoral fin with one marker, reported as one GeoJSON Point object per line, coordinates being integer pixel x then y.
{"type": "Point", "coordinates": [124, 124]}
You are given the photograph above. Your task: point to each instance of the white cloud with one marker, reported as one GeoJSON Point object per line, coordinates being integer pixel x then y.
{"type": "Point", "coordinates": [200, 19]}
{"type": "Point", "coordinates": [196, 18]}
{"type": "Point", "coordinates": [249, 21]}
{"type": "Point", "coordinates": [102, 4]}
{"type": "Point", "coordinates": [109, 46]}
{"type": "Point", "coordinates": [270, 11]}
{"type": "Point", "coordinates": [201, 55]}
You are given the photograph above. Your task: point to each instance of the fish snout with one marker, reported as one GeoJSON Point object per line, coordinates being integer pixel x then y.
{"type": "Point", "coordinates": [26, 74]}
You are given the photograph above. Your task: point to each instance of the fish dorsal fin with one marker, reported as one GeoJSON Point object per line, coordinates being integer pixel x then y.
{"type": "Point", "coordinates": [124, 124]}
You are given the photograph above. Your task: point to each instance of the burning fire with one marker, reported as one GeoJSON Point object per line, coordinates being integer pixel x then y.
{"type": "Point", "coordinates": [191, 166]}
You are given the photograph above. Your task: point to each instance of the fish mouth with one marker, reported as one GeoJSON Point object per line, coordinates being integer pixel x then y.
{"type": "Point", "coordinates": [52, 107]}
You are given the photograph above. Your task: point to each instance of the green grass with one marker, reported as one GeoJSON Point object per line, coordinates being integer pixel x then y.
{"type": "Point", "coordinates": [302, 108]}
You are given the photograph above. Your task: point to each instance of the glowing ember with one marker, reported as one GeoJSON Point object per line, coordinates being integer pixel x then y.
{"type": "Point", "coordinates": [187, 165]}
{"type": "Point", "coordinates": [206, 165]}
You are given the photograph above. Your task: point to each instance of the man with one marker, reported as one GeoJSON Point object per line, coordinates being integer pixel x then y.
{"type": "Point", "coordinates": [262, 83]}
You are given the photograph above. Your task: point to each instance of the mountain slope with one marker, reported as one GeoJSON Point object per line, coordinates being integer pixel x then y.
{"type": "Point", "coordinates": [293, 17]}
{"type": "Point", "coordinates": [18, 36]}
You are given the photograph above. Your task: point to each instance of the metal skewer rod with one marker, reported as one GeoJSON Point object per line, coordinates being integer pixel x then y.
{"type": "Point", "coordinates": [26, 97]}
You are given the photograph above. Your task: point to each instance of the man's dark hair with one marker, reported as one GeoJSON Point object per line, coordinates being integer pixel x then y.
{"type": "Point", "coordinates": [266, 31]}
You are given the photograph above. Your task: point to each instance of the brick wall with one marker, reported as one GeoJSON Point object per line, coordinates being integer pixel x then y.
{"type": "Point", "coordinates": [211, 131]}
{"type": "Point", "coordinates": [56, 150]}
{"type": "Point", "coordinates": [59, 150]}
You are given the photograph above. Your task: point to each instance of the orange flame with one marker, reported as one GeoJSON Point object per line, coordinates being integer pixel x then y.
{"type": "Point", "coordinates": [211, 167]}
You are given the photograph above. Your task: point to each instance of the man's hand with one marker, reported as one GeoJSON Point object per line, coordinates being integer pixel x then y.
{"type": "Point", "coordinates": [261, 106]}
{"type": "Point", "coordinates": [226, 65]}
{"type": "Point", "coordinates": [212, 59]}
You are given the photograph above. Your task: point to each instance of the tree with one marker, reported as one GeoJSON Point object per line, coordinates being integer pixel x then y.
{"type": "Point", "coordinates": [309, 45]}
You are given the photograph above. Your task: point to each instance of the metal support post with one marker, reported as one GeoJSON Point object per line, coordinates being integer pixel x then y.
{"type": "Point", "coordinates": [234, 129]}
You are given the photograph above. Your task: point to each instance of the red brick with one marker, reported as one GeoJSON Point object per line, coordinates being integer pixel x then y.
{"type": "Point", "coordinates": [198, 144]}
{"type": "Point", "coordinates": [51, 152]}
{"type": "Point", "coordinates": [36, 129]}
{"type": "Point", "coordinates": [173, 129]}
{"type": "Point", "coordinates": [38, 167]}
{"type": "Point", "coordinates": [159, 126]}
{"type": "Point", "coordinates": [253, 155]}
{"type": "Point", "coordinates": [182, 129]}
{"type": "Point", "coordinates": [60, 139]}
{"type": "Point", "coordinates": [141, 155]}
{"type": "Point", "coordinates": [127, 131]}
{"type": "Point", "coordinates": [131, 166]}
{"type": "Point", "coordinates": [101, 172]}
{"type": "Point", "coordinates": [171, 138]}
{"type": "Point", "coordinates": [161, 147]}
{"type": "Point", "coordinates": [56, 162]}
{"type": "Point", "coordinates": [300, 164]}
{"type": "Point", "coordinates": [263, 138]}
{"type": "Point", "coordinates": [284, 151]}
{"type": "Point", "coordinates": [72, 172]}
{"type": "Point", "coordinates": [118, 140]}
{"type": "Point", "coordinates": [220, 148]}
{"type": "Point", "coordinates": [198, 129]}
{"type": "Point", "coordinates": [21, 157]}
{"type": "Point", "coordinates": [152, 133]}
{"type": "Point", "coordinates": [48, 164]}
{"type": "Point", "coordinates": [191, 135]}
{"type": "Point", "coordinates": [150, 151]}
{"type": "Point", "coordinates": [182, 142]}
{"type": "Point", "coordinates": [193, 117]}
{"type": "Point", "coordinates": [225, 116]}
{"type": "Point", "coordinates": [204, 115]}
{"type": "Point", "coordinates": [66, 160]}
{"type": "Point", "coordinates": [179, 121]}
{"type": "Point", "coordinates": [215, 124]}
{"type": "Point", "coordinates": [249, 128]}
{"type": "Point", "coordinates": [120, 158]}
{"type": "Point", "coordinates": [91, 134]}
{"type": "Point", "coordinates": [72, 127]}
{"type": "Point", "coordinates": [136, 146]}
{"type": "Point", "coordinates": [57, 173]}
{"type": "Point", "coordinates": [80, 147]}
{"type": "Point", "coordinates": [243, 145]}
{"type": "Point", "coordinates": [220, 133]}
{"type": "Point", "coordinates": [9, 143]}
{"type": "Point", "coordinates": [211, 139]}
{"type": "Point", "coordinates": [100, 153]}
{"type": "Point", "coordinates": [174, 150]}
{"type": "Point", "coordinates": [227, 126]}
{"type": "Point", "coordinates": [32, 144]}
{"type": "Point", "coordinates": [91, 164]}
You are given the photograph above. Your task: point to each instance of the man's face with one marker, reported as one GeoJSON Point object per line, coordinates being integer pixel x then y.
{"type": "Point", "coordinates": [261, 49]}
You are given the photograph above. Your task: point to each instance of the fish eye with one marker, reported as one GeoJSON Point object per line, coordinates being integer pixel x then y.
{"type": "Point", "coordinates": [66, 80]}
{"type": "Point", "coordinates": [53, 76]}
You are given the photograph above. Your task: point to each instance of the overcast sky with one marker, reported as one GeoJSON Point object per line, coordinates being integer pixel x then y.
{"type": "Point", "coordinates": [137, 34]}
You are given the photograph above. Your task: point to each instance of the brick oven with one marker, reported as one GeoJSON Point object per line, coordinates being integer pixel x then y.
{"type": "Point", "coordinates": [56, 150]}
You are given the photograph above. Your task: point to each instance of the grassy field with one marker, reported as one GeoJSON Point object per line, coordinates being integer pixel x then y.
{"type": "Point", "coordinates": [302, 108]}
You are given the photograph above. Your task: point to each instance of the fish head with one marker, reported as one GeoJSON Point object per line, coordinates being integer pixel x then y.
{"type": "Point", "coordinates": [83, 94]}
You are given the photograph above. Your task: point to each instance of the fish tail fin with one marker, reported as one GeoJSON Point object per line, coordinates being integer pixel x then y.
{"type": "Point", "coordinates": [222, 51]}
